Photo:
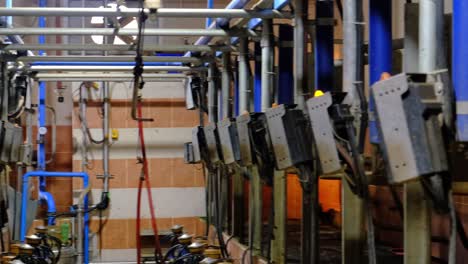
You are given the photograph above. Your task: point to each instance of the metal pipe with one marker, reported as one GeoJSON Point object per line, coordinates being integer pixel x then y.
{"type": "Point", "coordinates": [106, 69]}
{"type": "Point", "coordinates": [209, 5]}
{"type": "Point", "coordinates": [108, 77]}
{"type": "Point", "coordinates": [324, 68]}
{"type": "Point", "coordinates": [244, 82]}
{"type": "Point", "coordinates": [235, 4]}
{"type": "Point", "coordinates": [459, 66]}
{"type": "Point", "coordinates": [100, 59]}
{"type": "Point", "coordinates": [234, 12]}
{"type": "Point", "coordinates": [212, 94]}
{"type": "Point", "coordinates": [225, 84]}
{"type": "Point", "coordinates": [380, 51]}
{"type": "Point", "coordinates": [268, 62]}
{"type": "Point", "coordinates": [9, 19]}
{"type": "Point", "coordinates": [300, 51]}
{"type": "Point", "coordinates": [112, 47]}
{"type": "Point", "coordinates": [431, 17]}
{"type": "Point", "coordinates": [119, 32]}
{"type": "Point", "coordinates": [206, 39]}
{"type": "Point", "coordinates": [46, 174]}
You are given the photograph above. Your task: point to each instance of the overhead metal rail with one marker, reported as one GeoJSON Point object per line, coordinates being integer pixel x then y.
{"type": "Point", "coordinates": [113, 59]}
{"type": "Point", "coordinates": [106, 69]}
{"type": "Point", "coordinates": [134, 12]}
{"type": "Point", "coordinates": [124, 32]}
{"type": "Point", "coordinates": [108, 77]}
{"type": "Point", "coordinates": [112, 47]}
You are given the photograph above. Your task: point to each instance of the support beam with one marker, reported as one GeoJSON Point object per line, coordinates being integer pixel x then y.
{"type": "Point", "coordinates": [135, 12]}
{"type": "Point", "coordinates": [111, 59]}
{"type": "Point", "coordinates": [120, 32]}
{"type": "Point", "coordinates": [106, 69]}
{"type": "Point", "coordinates": [107, 77]}
{"type": "Point", "coordinates": [278, 244]}
{"type": "Point", "coordinates": [111, 47]}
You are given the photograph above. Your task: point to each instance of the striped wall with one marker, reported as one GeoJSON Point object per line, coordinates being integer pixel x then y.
{"type": "Point", "coordinates": [177, 188]}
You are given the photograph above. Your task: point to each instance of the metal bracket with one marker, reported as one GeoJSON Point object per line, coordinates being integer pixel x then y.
{"type": "Point", "coordinates": [278, 137]}
{"type": "Point", "coordinates": [229, 141]}
{"type": "Point", "coordinates": [394, 127]}
{"type": "Point", "coordinates": [212, 142]}
{"type": "Point", "coordinates": [322, 132]}
{"type": "Point", "coordinates": [196, 144]}
{"type": "Point", "coordinates": [242, 122]}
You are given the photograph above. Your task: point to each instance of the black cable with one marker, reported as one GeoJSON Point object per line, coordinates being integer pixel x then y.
{"type": "Point", "coordinates": [461, 231]}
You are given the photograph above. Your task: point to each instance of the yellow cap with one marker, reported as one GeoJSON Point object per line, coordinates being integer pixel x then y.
{"type": "Point", "coordinates": [318, 93]}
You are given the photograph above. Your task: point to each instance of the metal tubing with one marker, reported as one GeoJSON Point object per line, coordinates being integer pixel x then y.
{"type": "Point", "coordinates": [234, 12]}
{"type": "Point", "coordinates": [324, 61]}
{"type": "Point", "coordinates": [235, 4]}
{"type": "Point", "coordinates": [268, 61]}
{"type": "Point", "coordinates": [118, 32]}
{"type": "Point", "coordinates": [380, 51]}
{"type": "Point", "coordinates": [100, 59]}
{"type": "Point", "coordinates": [244, 82]}
{"type": "Point", "coordinates": [300, 51]}
{"type": "Point", "coordinates": [112, 47]}
{"type": "Point", "coordinates": [206, 39]}
{"type": "Point", "coordinates": [225, 85]}
{"type": "Point", "coordinates": [212, 94]}
{"type": "Point", "coordinates": [209, 5]}
{"type": "Point", "coordinates": [106, 132]}
{"type": "Point", "coordinates": [77, 77]}
{"type": "Point", "coordinates": [46, 174]}
{"type": "Point", "coordinates": [353, 233]}
{"type": "Point", "coordinates": [430, 34]}
{"type": "Point", "coordinates": [459, 66]}
{"type": "Point", "coordinates": [90, 68]}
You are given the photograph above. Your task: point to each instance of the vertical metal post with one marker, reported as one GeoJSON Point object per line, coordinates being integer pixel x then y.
{"type": "Point", "coordinates": [459, 66]}
{"type": "Point", "coordinates": [225, 84]}
{"type": "Point", "coordinates": [300, 51]}
{"type": "Point", "coordinates": [268, 59]}
{"type": "Point", "coordinates": [212, 94]}
{"type": "Point", "coordinates": [106, 123]}
{"type": "Point", "coordinates": [352, 209]}
{"type": "Point", "coordinates": [244, 82]}
{"type": "Point", "coordinates": [380, 51]}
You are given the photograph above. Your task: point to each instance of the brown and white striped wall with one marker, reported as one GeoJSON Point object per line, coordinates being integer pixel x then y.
{"type": "Point", "coordinates": [178, 188]}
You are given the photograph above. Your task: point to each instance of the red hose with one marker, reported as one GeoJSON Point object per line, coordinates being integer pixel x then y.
{"type": "Point", "coordinates": [145, 178]}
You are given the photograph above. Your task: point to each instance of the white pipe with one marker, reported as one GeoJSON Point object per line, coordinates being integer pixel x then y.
{"type": "Point", "coordinates": [134, 12]}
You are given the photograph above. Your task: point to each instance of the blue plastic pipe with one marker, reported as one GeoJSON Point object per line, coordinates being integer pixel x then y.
{"type": "Point", "coordinates": [380, 51]}
{"type": "Point", "coordinates": [45, 174]}
{"type": "Point", "coordinates": [285, 65]}
{"type": "Point", "coordinates": [324, 46]}
{"type": "Point", "coordinates": [460, 65]}
{"type": "Point", "coordinates": [258, 79]}
{"type": "Point", "coordinates": [210, 5]}
{"type": "Point", "coordinates": [9, 19]}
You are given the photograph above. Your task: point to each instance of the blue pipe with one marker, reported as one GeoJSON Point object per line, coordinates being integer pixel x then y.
{"type": "Point", "coordinates": [45, 174]}
{"type": "Point", "coordinates": [459, 64]}
{"type": "Point", "coordinates": [98, 63]}
{"type": "Point", "coordinates": [210, 5]}
{"type": "Point", "coordinates": [9, 19]}
{"type": "Point", "coordinates": [235, 4]}
{"type": "Point", "coordinates": [324, 47]}
{"type": "Point", "coordinates": [380, 51]}
{"type": "Point", "coordinates": [258, 79]}
{"type": "Point", "coordinates": [51, 208]}
{"type": "Point", "coordinates": [285, 65]}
